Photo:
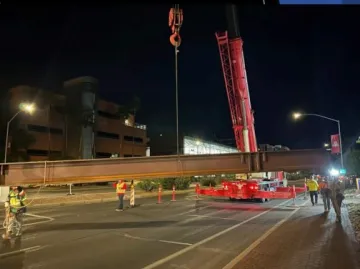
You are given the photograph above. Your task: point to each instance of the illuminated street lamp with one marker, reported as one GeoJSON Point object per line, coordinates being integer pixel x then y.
{"type": "Point", "coordinates": [298, 115]}
{"type": "Point", "coordinates": [334, 172]}
{"type": "Point", "coordinates": [326, 145]}
{"type": "Point", "coordinates": [23, 107]}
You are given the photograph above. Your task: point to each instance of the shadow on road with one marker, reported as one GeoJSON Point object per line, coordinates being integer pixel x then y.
{"type": "Point", "coordinates": [120, 225]}
{"type": "Point", "coordinates": [9, 255]}
{"type": "Point", "coordinates": [254, 207]}
{"type": "Point", "coordinates": [341, 244]}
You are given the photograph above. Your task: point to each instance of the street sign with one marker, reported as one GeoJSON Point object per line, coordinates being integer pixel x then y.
{"type": "Point", "coordinates": [342, 171]}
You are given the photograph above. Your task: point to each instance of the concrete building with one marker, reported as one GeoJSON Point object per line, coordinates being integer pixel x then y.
{"type": "Point", "coordinates": [76, 124]}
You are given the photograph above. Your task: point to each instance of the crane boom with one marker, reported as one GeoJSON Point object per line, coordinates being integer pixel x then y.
{"type": "Point", "coordinates": [233, 65]}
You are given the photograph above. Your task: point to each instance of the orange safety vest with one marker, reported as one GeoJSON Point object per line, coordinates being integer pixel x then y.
{"type": "Point", "coordinates": [120, 188]}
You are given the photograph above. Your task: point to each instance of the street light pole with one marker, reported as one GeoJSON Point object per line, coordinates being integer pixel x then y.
{"type": "Point", "coordinates": [297, 115]}
{"type": "Point", "coordinates": [7, 133]}
{"type": "Point", "coordinates": [29, 108]}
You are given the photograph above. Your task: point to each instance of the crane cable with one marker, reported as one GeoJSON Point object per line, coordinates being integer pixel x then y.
{"type": "Point", "coordinates": [175, 22]}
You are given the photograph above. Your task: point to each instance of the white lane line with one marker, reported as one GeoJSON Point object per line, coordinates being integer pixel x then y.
{"type": "Point", "coordinates": [250, 248]}
{"type": "Point", "coordinates": [47, 219]}
{"type": "Point", "coordinates": [175, 242]}
{"type": "Point", "coordinates": [30, 249]}
{"type": "Point", "coordinates": [156, 240]}
{"type": "Point", "coordinates": [38, 216]}
{"type": "Point", "coordinates": [36, 223]}
{"type": "Point", "coordinates": [32, 223]}
{"type": "Point", "coordinates": [187, 249]}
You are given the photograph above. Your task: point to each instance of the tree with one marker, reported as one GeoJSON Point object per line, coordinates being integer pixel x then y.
{"type": "Point", "coordinates": [352, 162]}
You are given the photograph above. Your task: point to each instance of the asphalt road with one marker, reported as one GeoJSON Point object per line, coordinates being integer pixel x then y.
{"type": "Point", "coordinates": [187, 234]}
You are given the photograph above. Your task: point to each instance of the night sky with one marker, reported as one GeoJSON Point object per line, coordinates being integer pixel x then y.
{"type": "Point", "coordinates": [297, 58]}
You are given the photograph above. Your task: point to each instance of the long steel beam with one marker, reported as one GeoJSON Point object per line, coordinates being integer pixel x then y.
{"type": "Point", "coordinates": [101, 170]}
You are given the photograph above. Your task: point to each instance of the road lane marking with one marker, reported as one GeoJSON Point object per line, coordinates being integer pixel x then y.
{"type": "Point", "coordinates": [15, 252]}
{"type": "Point", "coordinates": [38, 216]}
{"type": "Point", "coordinates": [156, 240]}
{"type": "Point", "coordinates": [250, 248]}
{"type": "Point", "coordinates": [187, 249]}
{"type": "Point", "coordinates": [47, 219]}
{"type": "Point", "coordinates": [175, 242]}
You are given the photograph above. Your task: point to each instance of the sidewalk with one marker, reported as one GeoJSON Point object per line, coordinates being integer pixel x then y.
{"type": "Point", "coordinates": [308, 240]}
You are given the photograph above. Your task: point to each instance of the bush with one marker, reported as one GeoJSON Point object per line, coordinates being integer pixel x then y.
{"type": "Point", "coordinates": [180, 183]}
{"type": "Point", "coordinates": [148, 185]}
{"type": "Point", "coordinates": [166, 183]}
{"type": "Point", "coordinates": [208, 181]}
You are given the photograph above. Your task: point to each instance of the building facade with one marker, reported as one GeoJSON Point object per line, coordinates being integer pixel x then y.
{"type": "Point", "coordinates": [77, 124]}
{"type": "Point", "coordinates": [194, 146]}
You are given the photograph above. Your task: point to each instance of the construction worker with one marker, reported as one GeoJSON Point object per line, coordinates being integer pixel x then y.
{"type": "Point", "coordinates": [339, 197]}
{"type": "Point", "coordinates": [120, 192]}
{"type": "Point", "coordinates": [16, 200]}
{"type": "Point", "coordinates": [325, 192]}
{"type": "Point", "coordinates": [313, 189]}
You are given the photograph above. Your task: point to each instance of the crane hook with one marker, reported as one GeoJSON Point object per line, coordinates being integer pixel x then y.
{"type": "Point", "coordinates": [175, 39]}
{"type": "Point", "coordinates": [175, 22]}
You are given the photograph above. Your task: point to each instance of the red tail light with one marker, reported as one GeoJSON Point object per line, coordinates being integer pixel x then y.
{"type": "Point", "coordinates": [253, 187]}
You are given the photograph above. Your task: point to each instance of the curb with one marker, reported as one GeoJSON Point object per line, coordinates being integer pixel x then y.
{"type": "Point", "coordinates": [89, 199]}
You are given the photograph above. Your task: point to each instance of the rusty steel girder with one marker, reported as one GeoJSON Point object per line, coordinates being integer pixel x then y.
{"type": "Point", "coordinates": [102, 170]}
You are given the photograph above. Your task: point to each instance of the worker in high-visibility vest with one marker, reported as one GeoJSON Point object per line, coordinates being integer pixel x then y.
{"type": "Point", "coordinates": [120, 192]}
{"type": "Point", "coordinates": [325, 192]}
{"type": "Point", "coordinates": [313, 189]}
{"type": "Point", "coordinates": [16, 200]}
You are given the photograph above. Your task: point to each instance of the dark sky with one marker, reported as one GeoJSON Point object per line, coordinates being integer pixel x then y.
{"type": "Point", "coordinates": [297, 58]}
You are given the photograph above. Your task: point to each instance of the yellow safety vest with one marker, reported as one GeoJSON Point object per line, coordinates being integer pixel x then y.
{"type": "Point", "coordinates": [14, 200]}
{"type": "Point", "coordinates": [119, 188]}
{"type": "Point", "coordinates": [313, 185]}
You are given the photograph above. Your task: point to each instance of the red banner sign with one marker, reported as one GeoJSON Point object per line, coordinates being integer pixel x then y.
{"type": "Point", "coordinates": [335, 144]}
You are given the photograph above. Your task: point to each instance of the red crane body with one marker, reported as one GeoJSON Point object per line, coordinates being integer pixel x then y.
{"type": "Point", "coordinates": [233, 65]}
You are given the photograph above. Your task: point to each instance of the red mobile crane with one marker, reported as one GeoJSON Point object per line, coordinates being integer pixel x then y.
{"type": "Point", "coordinates": [233, 64]}
{"type": "Point", "coordinates": [237, 88]}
